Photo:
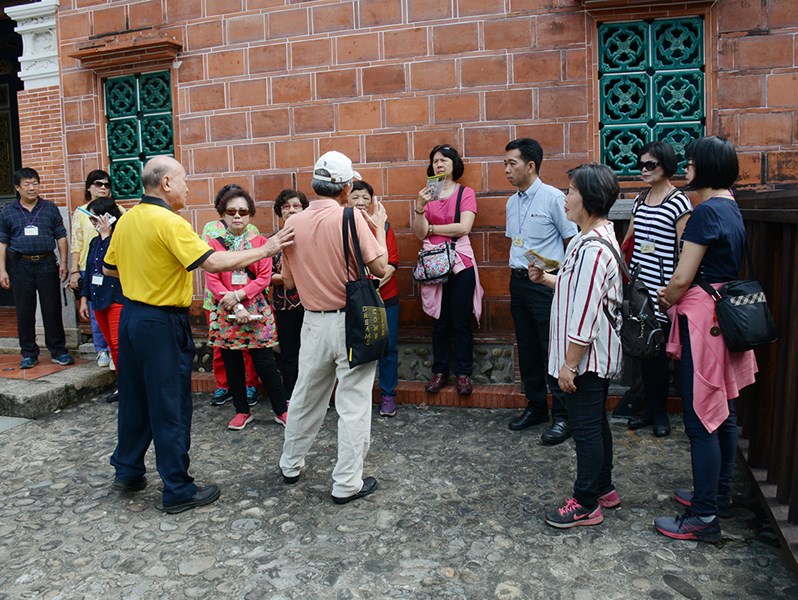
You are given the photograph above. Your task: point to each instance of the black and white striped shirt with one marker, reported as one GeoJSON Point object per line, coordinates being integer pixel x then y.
{"type": "Point", "coordinates": [655, 241]}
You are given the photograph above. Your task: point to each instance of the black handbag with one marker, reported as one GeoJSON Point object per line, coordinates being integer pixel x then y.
{"type": "Point", "coordinates": [742, 311]}
{"type": "Point", "coordinates": [641, 332]}
{"type": "Point", "coordinates": [366, 320]}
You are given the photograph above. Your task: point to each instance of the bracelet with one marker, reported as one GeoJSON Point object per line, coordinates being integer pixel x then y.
{"type": "Point", "coordinates": [235, 293]}
{"type": "Point", "coordinates": [574, 370]}
{"type": "Point", "coordinates": [418, 212]}
{"type": "Point", "coordinates": [431, 230]}
{"type": "Point", "coordinates": [74, 272]}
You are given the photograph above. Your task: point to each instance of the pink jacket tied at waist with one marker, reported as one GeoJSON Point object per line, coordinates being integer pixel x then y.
{"type": "Point", "coordinates": [431, 295]}
{"type": "Point", "coordinates": [719, 375]}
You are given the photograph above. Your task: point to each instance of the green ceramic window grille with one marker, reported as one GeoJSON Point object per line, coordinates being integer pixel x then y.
{"type": "Point", "coordinates": [138, 112]}
{"type": "Point", "coordinates": [651, 87]}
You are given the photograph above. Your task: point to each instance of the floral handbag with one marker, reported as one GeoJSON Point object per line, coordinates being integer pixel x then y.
{"type": "Point", "coordinates": [435, 263]}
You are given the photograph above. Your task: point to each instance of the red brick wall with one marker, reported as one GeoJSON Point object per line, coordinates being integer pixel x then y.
{"type": "Point", "coordinates": [265, 86]}
{"type": "Point", "coordinates": [41, 136]}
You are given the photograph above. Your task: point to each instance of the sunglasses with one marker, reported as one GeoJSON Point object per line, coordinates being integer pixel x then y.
{"type": "Point", "coordinates": [232, 212]}
{"type": "Point", "coordinates": [102, 184]}
{"type": "Point", "coordinates": [649, 165]}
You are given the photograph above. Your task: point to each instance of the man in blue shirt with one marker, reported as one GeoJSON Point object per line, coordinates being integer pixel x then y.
{"type": "Point", "coordinates": [535, 221]}
{"type": "Point", "coordinates": [30, 229]}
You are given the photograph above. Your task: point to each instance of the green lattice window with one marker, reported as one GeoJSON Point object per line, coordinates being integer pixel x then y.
{"type": "Point", "coordinates": [138, 110]}
{"type": "Point", "coordinates": [651, 87]}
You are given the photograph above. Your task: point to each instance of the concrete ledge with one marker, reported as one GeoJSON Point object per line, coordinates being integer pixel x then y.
{"type": "Point", "coordinates": [32, 399]}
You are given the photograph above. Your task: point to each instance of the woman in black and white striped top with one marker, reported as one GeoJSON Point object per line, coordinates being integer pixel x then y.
{"type": "Point", "coordinates": [658, 220]}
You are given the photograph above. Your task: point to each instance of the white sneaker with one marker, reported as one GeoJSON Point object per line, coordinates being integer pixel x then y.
{"type": "Point", "coordinates": [103, 358]}
{"type": "Point", "coordinates": [111, 364]}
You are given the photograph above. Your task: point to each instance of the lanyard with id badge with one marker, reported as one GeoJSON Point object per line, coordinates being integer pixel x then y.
{"type": "Point", "coordinates": [30, 227]}
{"type": "Point", "coordinates": [518, 240]}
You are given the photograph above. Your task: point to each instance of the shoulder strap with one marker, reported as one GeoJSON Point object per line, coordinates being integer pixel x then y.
{"type": "Point", "coordinates": [247, 269]}
{"type": "Point", "coordinates": [621, 262]}
{"type": "Point", "coordinates": [457, 209]}
{"type": "Point", "coordinates": [348, 226]}
{"type": "Point", "coordinates": [220, 239]}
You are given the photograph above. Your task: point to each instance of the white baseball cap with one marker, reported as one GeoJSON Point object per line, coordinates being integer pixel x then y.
{"type": "Point", "coordinates": [337, 165]}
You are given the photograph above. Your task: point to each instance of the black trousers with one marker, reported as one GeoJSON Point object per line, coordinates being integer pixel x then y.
{"type": "Point", "coordinates": [530, 305]}
{"type": "Point", "coordinates": [454, 325]}
{"type": "Point", "coordinates": [656, 375]}
{"type": "Point", "coordinates": [27, 279]}
{"type": "Point", "coordinates": [289, 332]}
{"type": "Point", "coordinates": [265, 366]}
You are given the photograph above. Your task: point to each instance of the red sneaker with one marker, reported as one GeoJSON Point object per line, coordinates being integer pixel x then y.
{"type": "Point", "coordinates": [573, 514]}
{"type": "Point", "coordinates": [240, 421]}
{"type": "Point", "coordinates": [281, 419]}
{"type": "Point", "coordinates": [609, 500]}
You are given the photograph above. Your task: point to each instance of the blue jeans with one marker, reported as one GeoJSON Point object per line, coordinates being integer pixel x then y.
{"type": "Point", "coordinates": [712, 454]}
{"type": "Point", "coordinates": [389, 365]}
{"type": "Point", "coordinates": [587, 416]}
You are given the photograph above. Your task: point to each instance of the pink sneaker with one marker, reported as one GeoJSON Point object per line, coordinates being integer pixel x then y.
{"type": "Point", "coordinates": [573, 514]}
{"type": "Point", "coordinates": [281, 419]}
{"type": "Point", "coordinates": [240, 421]}
{"type": "Point", "coordinates": [609, 500]}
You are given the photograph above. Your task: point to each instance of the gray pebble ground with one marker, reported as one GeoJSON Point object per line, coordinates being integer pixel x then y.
{"type": "Point", "coordinates": [458, 514]}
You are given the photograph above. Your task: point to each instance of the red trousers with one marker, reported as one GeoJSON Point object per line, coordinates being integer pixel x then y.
{"type": "Point", "coordinates": [108, 320]}
{"type": "Point", "coordinates": [219, 371]}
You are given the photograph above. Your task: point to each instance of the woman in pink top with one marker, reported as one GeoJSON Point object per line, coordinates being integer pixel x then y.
{"type": "Point", "coordinates": [451, 303]}
{"type": "Point", "coordinates": [241, 318]}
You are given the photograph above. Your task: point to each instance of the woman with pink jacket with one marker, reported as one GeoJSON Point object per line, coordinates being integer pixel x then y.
{"type": "Point", "coordinates": [711, 376]}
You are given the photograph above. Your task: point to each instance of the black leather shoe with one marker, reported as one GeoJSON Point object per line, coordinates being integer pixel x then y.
{"type": "Point", "coordinates": [662, 430]}
{"type": "Point", "coordinates": [640, 422]}
{"type": "Point", "coordinates": [204, 495]}
{"type": "Point", "coordinates": [290, 480]}
{"type": "Point", "coordinates": [129, 485]}
{"type": "Point", "coordinates": [369, 485]}
{"type": "Point", "coordinates": [112, 397]}
{"type": "Point", "coordinates": [556, 434]}
{"type": "Point", "coordinates": [526, 419]}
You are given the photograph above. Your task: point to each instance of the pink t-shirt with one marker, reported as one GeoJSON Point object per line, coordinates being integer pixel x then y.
{"type": "Point", "coordinates": [441, 212]}
{"type": "Point", "coordinates": [316, 259]}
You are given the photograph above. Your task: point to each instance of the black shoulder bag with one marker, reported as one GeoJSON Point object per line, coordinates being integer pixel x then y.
{"type": "Point", "coordinates": [742, 311]}
{"type": "Point", "coordinates": [366, 320]}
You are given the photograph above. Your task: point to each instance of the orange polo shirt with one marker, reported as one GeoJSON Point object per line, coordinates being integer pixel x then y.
{"type": "Point", "coordinates": [316, 259]}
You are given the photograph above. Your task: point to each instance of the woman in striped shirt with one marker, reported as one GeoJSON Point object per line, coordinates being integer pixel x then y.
{"type": "Point", "coordinates": [658, 219]}
{"type": "Point", "coordinates": [584, 347]}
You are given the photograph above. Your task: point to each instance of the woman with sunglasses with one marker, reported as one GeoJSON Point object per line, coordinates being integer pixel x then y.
{"type": "Point", "coordinates": [101, 295]}
{"type": "Point", "coordinates": [658, 219]}
{"type": "Point", "coordinates": [221, 395]}
{"type": "Point", "coordinates": [711, 377]}
{"type": "Point", "coordinates": [241, 318]}
{"type": "Point", "coordinates": [450, 303]}
{"type": "Point", "coordinates": [98, 185]}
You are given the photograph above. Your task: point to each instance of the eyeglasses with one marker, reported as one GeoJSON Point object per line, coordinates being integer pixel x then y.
{"type": "Point", "coordinates": [690, 163]}
{"type": "Point", "coordinates": [102, 184]}
{"type": "Point", "coordinates": [232, 212]}
{"type": "Point", "coordinates": [648, 165]}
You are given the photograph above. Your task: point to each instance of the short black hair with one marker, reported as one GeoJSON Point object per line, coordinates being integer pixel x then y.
{"type": "Point", "coordinates": [96, 175]}
{"type": "Point", "coordinates": [285, 196]}
{"type": "Point", "coordinates": [531, 151]}
{"type": "Point", "coordinates": [714, 161]}
{"type": "Point", "coordinates": [664, 154]}
{"type": "Point", "coordinates": [235, 192]}
{"type": "Point", "coordinates": [451, 153]}
{"type": "Point", "coordinates": [25, 173]}
{"type": "Point", "coordinates": [101, 206]}
{"type": "Point", "coordinates": [362, 185]}
{"type": "Point", "coordinates": [220, 194]}
{"type": "Point", "coordinates": [598, 186]}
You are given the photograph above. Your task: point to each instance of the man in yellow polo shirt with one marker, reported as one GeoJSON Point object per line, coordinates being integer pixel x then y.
{"type": "Point", "coordinates": [153, 251]}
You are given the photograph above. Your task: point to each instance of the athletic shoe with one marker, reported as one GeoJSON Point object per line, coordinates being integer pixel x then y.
{"type": "Point", "coordinates": [609, 500]}
{"type": "Point", "coordinates": [689, 527]}
{"type": "Point", "coordinates": [685, 497]}
{"type": "Point", "coordinates": [240, 421]}
{"type": "Point", "coordinates": [573, 514]}
{"type": "Point", "coordinates": [252, 395]}
{"type": "Point", "coordinates": [63, 360]}
{"type": "Point", "coordinates": [281, 419]}
{"type": "Point", "coordinates": [387, 406]}
{"type": "Point", "coordinates": [103, 358]}
{"type": "Point", "coordinates": [111, 365]}
{"type": "Point", "coordinates": [28, 362]}
{"type": "Point", "coordinates": [220, 396]}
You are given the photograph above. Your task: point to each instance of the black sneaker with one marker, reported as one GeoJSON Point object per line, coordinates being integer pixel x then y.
{"type": "Point", "coordinates": [220, 397]}
{"type": "Point", "coordinates": [573, 514]}
{"type": "Point", "coordinates": [689, 527]}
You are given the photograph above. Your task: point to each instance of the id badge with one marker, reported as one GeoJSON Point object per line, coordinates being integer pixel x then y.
{"type": "Point", "coordinates": [96, 279]}
{"type": "Point", "coordinates": [518, 241]}
{"type": "Point", "coordinates": [647, 247]}
{"type": "Point", "coordinates": [238, 278]}
{"type": "Point", "coordinates": [31, 230]}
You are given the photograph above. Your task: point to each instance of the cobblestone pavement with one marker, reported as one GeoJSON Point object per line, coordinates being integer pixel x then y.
{"type": "Point", "coordinates": [458, 514]}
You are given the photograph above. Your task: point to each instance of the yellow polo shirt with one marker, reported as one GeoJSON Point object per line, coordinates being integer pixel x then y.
{"type": "Point", "coordinates": [155, 249]}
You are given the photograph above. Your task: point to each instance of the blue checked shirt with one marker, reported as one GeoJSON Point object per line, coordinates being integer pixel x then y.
{"type": "Point", "coordinates": [45, 216]}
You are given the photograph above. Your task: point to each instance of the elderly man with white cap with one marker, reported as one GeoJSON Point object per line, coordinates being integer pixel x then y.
{"type": "Point", "coordinates": [315, 266]}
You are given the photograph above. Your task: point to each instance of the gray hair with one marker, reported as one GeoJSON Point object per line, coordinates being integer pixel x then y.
{"type": "Point", "coordinates": [327, 189]}
{"type": "Point", "coordinates": [155, 170]}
